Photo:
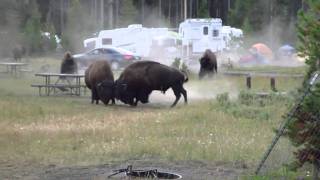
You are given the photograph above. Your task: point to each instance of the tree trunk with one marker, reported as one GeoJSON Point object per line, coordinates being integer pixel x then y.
{"type": "Point", "coordinates": [315, 171]}
{"type": "Point", "coordinates": [110, 11]}
{"type": "Point", "coordinates": [61, 16]}
{"type": "Point", "coordinates": [142, 11]}
{"type": "Point", "coordinates": [169, 12]}
{"type": "Point", "coordinates": [101, 14]}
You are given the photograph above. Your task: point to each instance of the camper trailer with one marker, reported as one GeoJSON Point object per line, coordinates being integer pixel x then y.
{"type": "Point", "coordinates": [201, 34]}
{"type": "Point", "coordinates": [231, 36]}
{"type": "Point", "coordinates": [134, 38]}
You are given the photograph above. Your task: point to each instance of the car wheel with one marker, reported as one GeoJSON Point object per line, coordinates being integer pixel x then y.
{"type": "Point", "coordinates": [114, 65]}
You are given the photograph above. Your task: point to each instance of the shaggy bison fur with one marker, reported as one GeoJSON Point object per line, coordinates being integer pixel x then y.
{"type": "Point", "coordinates": [99, 78]}
{"type": "Point", "coordinates": [139, 79]}
{"type": "Point", "coordinates": [68, 65]}
{"type": "Point", "coordinates": [208, 64]}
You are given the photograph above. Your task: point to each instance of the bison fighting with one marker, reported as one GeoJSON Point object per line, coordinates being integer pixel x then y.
{"type": "Point", "coordinates": [208, 64]}
{"type": "Point", "coordinates": [99, 78]}
{"type": "Point", "coordinates": [139, 79]}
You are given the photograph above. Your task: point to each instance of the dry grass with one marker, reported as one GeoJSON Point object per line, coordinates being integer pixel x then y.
{"type": "Point", "coordinates": [69, 130]}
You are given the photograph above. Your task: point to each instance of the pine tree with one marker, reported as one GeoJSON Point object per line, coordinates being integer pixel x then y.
{"type": "Point", "coordinates": [79, 25]}
{"type": "Point", "coordinates": [32, 28]}
{"type": "Point", "coordinates": [304, 130]}
{"type": "Point", "coordinates": [128, 13]}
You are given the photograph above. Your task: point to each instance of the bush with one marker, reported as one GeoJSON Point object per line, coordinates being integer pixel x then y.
{"type": "Point", "coordinates": [176, 63]}
{"type": "Point", "coordinates": [223, 99]}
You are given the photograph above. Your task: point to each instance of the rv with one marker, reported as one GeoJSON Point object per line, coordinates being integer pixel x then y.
{"type": "Point", "coordinates": [201, 34]}
{"type": "Point", "coordinates": [134, 38]}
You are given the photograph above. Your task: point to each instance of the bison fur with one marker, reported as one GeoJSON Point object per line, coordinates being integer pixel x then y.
{"type": "Point", "coordinates": [139, 79]}
{"type": "Point", "coordinates": [99, 78]}
{"type": "Point", "coordinates": [208, 64]}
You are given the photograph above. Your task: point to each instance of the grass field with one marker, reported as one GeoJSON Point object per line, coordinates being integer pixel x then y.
{"type": "Point", "coordinates": [70, 131]}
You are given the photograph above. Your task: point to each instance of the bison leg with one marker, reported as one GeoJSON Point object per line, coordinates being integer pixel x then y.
{"type": "Point", "coordinates": [177, 93]}
{"type": "Point", "coordinates": [202, 73]}
{"type": "Point", "coordinates": [95, 96]}
{"type": "Point", "coordinates": [113, 101]}
{"type": "Point", "coordinates": [210, 74]}
{"type": "Point", "coordinates": [106, 102]}
{"type": "Point", "coordinates": [92, 97]}
{"type": "Point", "coordinates": [135, 102]}
{"type": "Point", "coordinates": [184, 93]}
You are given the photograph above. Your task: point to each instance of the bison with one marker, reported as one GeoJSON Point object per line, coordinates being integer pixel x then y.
{"type": "Point", "coordinates": [139, 79]}
{"type": "Point", "coordinates": [208, 64]}
{"type": "Point", "coordinates": [18, 51]}
{"type": "Point", "coordinates": [99, 78]}
{"type": "Point", "coordinates": [68, 65]}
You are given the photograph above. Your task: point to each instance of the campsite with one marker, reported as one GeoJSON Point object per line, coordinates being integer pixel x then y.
{"type": "Point", "coordinates": [109, 89]}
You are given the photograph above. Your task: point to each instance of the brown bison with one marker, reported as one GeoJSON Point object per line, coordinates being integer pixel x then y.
{"type": "Point", "coordinates": [208, 64]}
{"type": "Point", "coordinates": [18, 51]}
{"type": "Point", "coordinates": [99, 78]}
{"type": "Point", "coordinates": [139, 79]}
{"type": "Point", "coordinates": [68, 65]}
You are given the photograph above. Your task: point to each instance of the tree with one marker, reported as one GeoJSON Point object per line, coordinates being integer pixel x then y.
{"type": "Point", "coordinates": [79, 25]}
{"type": "Point", "coordinates": [32, 28]}
{"type": "Point", "coordinates": [128, 13]}
{"type": "Point", "coordinates": [304, 131]}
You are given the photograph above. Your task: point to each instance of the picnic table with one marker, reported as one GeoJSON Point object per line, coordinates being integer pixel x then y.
{"type": "Point", "coordinates": [13, 68]}
{"type": "Point", "coordinates": [55, 83]}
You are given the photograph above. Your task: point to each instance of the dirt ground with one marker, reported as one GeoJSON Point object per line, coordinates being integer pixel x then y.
{"type": "Point", "coordinates": [187, 169]}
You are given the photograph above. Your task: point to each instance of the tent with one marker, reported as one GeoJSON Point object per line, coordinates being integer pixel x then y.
{"type": "Point", "coordinates": [263, 49]}
{"type": "Point", "coordinates": [286, 50]}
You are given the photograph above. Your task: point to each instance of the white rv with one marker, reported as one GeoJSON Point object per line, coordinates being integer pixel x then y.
{"type": "Point", "coordinates": [229, 35]}
{"type": "Point", "coordinates": [201, 34]}
{"type": "Point", "coordinates": [134, 38]}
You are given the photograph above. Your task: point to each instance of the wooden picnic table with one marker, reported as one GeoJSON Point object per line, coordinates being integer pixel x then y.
{"type": "Point", "coordinates": [13, 67]}
{"type": "Point", "coordinates": [55, 82]}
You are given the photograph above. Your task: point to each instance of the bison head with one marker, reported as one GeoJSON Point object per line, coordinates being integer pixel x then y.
{"type": "Point", "coordinates": [106, 91]}
{"type": "Point", "coordinates": [123, 93]}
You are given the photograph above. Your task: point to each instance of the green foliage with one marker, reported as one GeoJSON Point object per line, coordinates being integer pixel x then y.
{"type": "Point", "coordinates": [32, 28]}
{"type": "Point", "coordinates": [79, 25]}
{"type": "Point", "coordinates": [249, 105]}
{"type": "Point", "coordinates": [203, 9]}
{"type": "Point", "coordinates": [176, 63]}
{"type": "Point", "coordinates": [246, 26]}
{"type": "Point", "coordinates": [52, 39]}
{"type": "Point", "coordinates": [303, 131]}
{"type": "Point", "coordinates": [128, 13]}
{"type": "Point", "coordinates": [223, 99]}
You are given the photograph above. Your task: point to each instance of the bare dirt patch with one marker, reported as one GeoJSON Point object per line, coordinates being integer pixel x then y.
{"type": "Point", "coordinates": [187, 169]}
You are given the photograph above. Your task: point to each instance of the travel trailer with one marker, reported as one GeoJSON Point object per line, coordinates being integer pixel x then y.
{"type": "Point", "coordinates": [134, 38]}
{"type": "Point", "coordinates": [201, 34]}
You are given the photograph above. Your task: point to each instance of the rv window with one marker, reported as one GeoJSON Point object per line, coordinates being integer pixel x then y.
{"type": "Point", "coordinates": [215, 33]}
{"type": "Point", "coordinates": [205, 30]}
{"type": "Point", "coordinates": [107, 41]}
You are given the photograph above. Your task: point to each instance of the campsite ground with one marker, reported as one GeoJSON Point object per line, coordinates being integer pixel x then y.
{"type": "Point", "coordinates": [65, 137]}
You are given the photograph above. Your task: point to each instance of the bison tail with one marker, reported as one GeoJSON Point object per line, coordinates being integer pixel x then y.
{"type": "Point", "coordinates": [185, 76]}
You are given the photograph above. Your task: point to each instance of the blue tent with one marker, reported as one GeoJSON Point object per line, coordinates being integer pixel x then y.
{"type": "Point", "coordinates": [286, 50]}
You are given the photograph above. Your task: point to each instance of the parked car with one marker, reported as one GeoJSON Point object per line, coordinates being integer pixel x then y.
{"type": "Point", "coordinates": [117, 57]}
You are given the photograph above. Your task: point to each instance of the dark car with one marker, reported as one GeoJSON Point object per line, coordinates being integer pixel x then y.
{"type": "Point", "coordinates": [117, 57]}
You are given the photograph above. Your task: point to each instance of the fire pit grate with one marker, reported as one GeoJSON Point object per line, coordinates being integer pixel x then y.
{"type": "Point", "coordinates": [153, 173]}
